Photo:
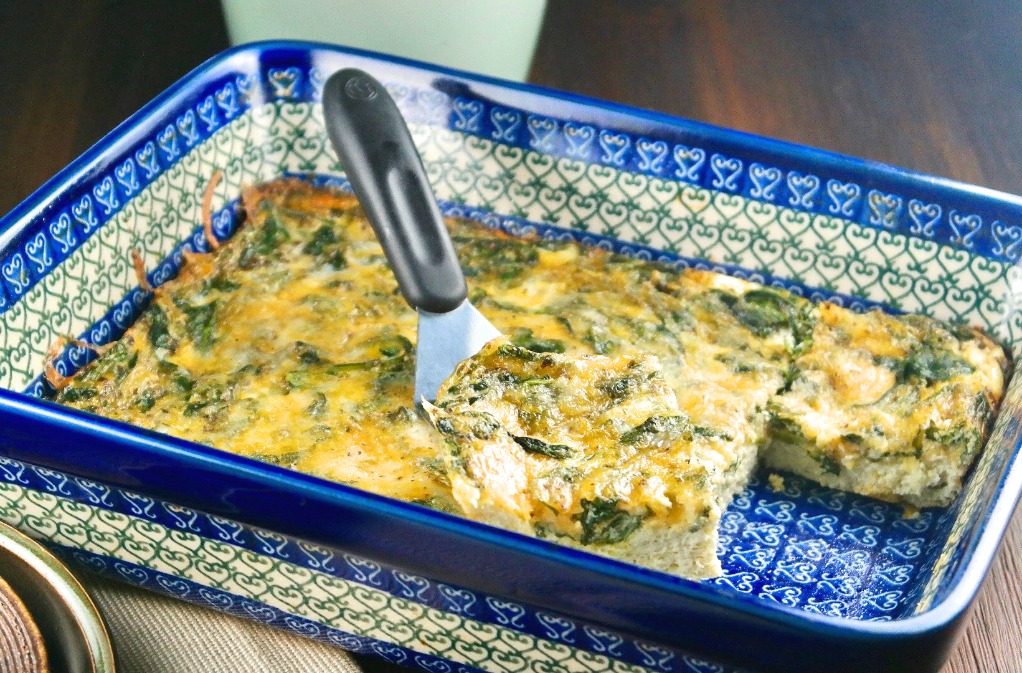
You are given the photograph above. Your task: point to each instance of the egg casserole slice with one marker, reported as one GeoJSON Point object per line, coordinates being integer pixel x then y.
{"type": "Point", "coordinates": [291, 344]}
{"type": "Point", "coordinates": [891, 407]}
{"type": "Point", "coordinates": [588, 450]}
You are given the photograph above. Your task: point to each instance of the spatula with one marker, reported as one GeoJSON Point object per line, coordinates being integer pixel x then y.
{"type": "Point", "coordinates": [386, 173]}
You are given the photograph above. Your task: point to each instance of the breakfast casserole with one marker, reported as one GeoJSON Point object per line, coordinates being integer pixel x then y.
{"type": "Point", "coordinates": [590, 450]}
{"type": "Point", "coordinates": [626, 404]}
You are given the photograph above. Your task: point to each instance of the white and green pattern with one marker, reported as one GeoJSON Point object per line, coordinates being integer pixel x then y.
{"type": "Point", "coordinates": [832, 255]}
{"type": "Point", "coordinates": [319, 596]}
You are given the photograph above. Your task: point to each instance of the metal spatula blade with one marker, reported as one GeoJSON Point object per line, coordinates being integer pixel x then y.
{"type": "Point", "coordinates": [386, 173]}
{"type": "Point", "coordinates": [445, 339]}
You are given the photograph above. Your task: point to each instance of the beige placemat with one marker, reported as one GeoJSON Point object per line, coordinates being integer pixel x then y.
{"type": "Point", "coordinates": [153, 633]}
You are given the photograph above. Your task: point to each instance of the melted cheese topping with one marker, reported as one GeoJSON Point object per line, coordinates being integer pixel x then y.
{"type": "Point", "coordinates": [891, 407]}
{"type": "Point", "coordinates": [592, 450]}
{"type": "Point", "coordinates": [292, 345]}
{"type": "Point", "coordinates": [537, 438]}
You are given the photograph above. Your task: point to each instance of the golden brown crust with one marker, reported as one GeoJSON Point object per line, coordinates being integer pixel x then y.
{"type": "Point", "coordinates": [292, 344]}
{"type": "Point", "coordinates": [207, 210]}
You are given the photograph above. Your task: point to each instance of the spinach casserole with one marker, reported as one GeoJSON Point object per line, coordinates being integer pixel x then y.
{"type": "Point", "coordinates": [627, 403]}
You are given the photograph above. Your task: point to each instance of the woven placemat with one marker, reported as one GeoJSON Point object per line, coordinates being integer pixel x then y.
{"type": "Point", "coordinates": [153, 633]}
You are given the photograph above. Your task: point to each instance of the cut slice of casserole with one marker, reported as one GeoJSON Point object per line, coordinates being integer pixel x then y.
{"type": "Point", "coordinates": [893, 407]}
{"type": "Point", "coordinates": [593, 451]}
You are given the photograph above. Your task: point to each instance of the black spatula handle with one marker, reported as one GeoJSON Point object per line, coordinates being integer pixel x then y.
{"type": "Point", "coordinates": [385, 170]}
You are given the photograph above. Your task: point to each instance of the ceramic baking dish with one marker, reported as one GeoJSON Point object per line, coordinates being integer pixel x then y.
{"type": "Point", "coordinates": [811, 574]}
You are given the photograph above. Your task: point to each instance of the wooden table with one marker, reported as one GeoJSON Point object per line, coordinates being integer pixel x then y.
{"type": "Point", "coordinates": [931, 86]}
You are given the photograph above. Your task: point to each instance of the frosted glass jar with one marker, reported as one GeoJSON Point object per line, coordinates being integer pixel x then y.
{"type": "Point", "coordinates": [492, 37]}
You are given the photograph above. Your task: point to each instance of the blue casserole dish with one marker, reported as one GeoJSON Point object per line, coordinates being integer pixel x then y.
{"type": "Point", "coordinates": [811, 574]}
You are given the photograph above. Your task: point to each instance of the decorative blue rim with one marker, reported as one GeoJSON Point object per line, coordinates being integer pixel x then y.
{"type": "Point", "coordinates": [736, 162]}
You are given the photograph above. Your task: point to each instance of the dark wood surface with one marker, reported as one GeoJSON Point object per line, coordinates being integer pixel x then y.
{"type": "Point", "coordinates": [930, 86]}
